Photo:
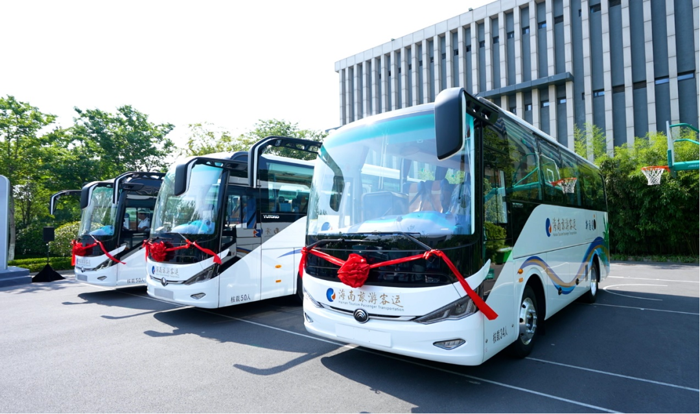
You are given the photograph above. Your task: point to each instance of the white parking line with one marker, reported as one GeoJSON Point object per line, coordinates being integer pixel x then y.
{"type": "Point", "coordinates": [643, 309]}
{"type": "Point", "coordinates": [630, 296]}
{"type": "Point", "coordinates": [369, 351]}
{"type": "Point", "coordinates": [614, 375]}
{"type": "Point", "coordinates": [653, 280]}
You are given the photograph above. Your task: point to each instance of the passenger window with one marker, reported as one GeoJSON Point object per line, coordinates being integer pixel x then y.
{"type": "Point", "coordinates": [550, 166]}
{"type": "Point", "coordinates": [571, 186]}
{"type": "Point", "coordinates": [524, 163]}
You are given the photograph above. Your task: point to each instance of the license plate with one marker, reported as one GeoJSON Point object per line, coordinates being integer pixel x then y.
{"type": "Point", "coordinates": [82, 278]}
{"type": "Point", "coordinates": [162, 293]}
{"type": "Point", "coordinates": [370, 336]}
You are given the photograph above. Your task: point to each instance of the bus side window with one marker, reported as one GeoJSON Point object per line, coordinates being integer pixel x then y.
{"type": "Point", "coordinates": [550, 166]}
{"type": "Point", "coordinates": [524, 167]}
{"type": "Point", "coordinates": [233, 217]}
{"type": "Point", "coordinates": [570, 171]}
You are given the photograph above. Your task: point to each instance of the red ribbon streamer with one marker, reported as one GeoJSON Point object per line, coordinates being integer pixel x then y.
{"type": "Point", "coordinates": [79, 249]}
{"type": "Point", "coordinates": [158, 250]}
{"type": "Point", "coordinates": [355, 272]}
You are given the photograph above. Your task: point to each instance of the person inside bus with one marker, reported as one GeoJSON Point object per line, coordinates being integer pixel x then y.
{"type": "Point", "coordinates": [144, 221]}
{"type": "Point", "coordinates": [460, 205]}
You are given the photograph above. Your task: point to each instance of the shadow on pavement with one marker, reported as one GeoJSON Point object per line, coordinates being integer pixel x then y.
{"type": "Point", "coordinates": [272, 324]}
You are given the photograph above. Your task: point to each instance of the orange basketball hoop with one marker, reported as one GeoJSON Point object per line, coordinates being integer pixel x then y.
{"type": "Point", "coordinates": [654, 174]}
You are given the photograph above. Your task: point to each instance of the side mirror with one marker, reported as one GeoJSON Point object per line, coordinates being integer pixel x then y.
{"type": "Point", "coordinates": [450, 119]}
{"type": "Point", "coordinates": [85, 196]}
{"type": "Point", "coordinates": [180, 182]}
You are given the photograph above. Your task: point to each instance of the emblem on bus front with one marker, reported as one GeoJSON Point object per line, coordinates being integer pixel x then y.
{"type": "Point", "coordinates": [163, 281]}
{"type": "Point", "coordinates": [361, 316]}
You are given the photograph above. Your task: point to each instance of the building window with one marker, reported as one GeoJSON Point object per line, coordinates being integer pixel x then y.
{"type": "Point", "coordinates": [469, 48]}
{"type": "Point", "coordinates": [482, 43]}
{"type": "Point", "coordinates": [542, 25]}
{"type": "Point", "coordinates": [420, 63]}
{"type": "Point", "coordinates": [639, 85]}
{"type": "Point", "coordinates": [510, 35]}
{"type": "Point", "coordinates": [528, 107]}
{"type": "Point", "coordinates": [526, 30]}
{"type": "Point", "coordinates": [595, 8]}
{"type": "Point", "coordinates": [660, 81]}
{"type": "Point", "coordinates": [409, 66]}
{"type": "Point", "coordinates": [613, 3]}
{"type": "Point", "coordinates": [598, 93]}
{"type": "Point", "coordinates": [512, 109]}
{"type": "Point", "coordinates": [544, 104]}
{"type": "Point", "coordinates": [399, 70]}
{"type": "Point", "coordinates": [559, 19]}
{"type": "Point", "coordinates": [686, 75]}
{"type": "Point", "coordinates": [495, 40]}
{"type": "Point", "coordinates": [456, 52]}
{"type": "Point", "coordinates": [561, 101]}
{"type": "Point", "coordinates": [618, 88]}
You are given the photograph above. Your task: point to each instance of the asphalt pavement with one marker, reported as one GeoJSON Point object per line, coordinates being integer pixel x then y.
{"type": "Point", "coordinates": [72, 347]}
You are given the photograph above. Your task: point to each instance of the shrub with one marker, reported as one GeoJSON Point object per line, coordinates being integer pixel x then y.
{"type": "Point", "coordinates": [30, 241]}
{"type": "Point", "coordinates": [61, 245]}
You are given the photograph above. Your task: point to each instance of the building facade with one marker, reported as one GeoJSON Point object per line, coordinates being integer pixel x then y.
{"type": "Point", "coordinates": [627, 66]}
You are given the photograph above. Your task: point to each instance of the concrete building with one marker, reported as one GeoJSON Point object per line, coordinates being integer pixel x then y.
{"type": "Point", "coordinates": [627, 66]}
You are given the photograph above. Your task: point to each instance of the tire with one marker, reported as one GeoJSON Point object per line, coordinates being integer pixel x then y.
{"type": "Point", "coordinates": [592, 294]}
{"type": "Point", "coordinates": [527, 324]}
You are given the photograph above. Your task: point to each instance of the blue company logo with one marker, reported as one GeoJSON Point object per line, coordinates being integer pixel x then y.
{"type": "Point", "coordinates": [330, 295]}
{"type": "Point", "coordinates": [548, 227]}
{"type": "Point", "coordinates": [153, 270]}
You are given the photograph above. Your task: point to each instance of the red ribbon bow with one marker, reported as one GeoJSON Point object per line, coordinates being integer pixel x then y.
{"type": "Point", "coordinates": [159, 250]}
{"type": "Point", "coordinates": [354, 272]}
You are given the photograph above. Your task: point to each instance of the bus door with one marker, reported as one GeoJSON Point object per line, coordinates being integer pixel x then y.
{"type": "Point", "coordinates": [283, 235]}
{"type": "Point", "coordinates": [242, 235]}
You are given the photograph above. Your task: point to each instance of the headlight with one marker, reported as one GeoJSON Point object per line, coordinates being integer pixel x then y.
{"type": "Point", "coordinates": [311, 298]}
{"type": "Point", "coordinates": [461, 308]}
{"type": "Point", "coordinates": [205, 274]}
{"type": "Point", "coordinates": [107, 263]}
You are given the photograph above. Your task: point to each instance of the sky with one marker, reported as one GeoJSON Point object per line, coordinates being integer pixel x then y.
{"type": "Point", "coordinates": [226, 63]}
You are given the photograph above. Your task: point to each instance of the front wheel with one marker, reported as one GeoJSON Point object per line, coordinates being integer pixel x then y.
{"type": "Point", "coordinates": [527, 324]}
{"type": "Point", "coordinates": [592, 294]}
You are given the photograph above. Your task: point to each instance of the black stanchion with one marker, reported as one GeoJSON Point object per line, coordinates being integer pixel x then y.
{"type": "Point", "coordinates": [47, 274]}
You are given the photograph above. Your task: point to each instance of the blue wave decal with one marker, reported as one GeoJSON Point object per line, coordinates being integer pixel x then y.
{"type": "Point", "coordinates": [297, 251]}
{"type": "Point", "coordinates": [598, 246]}
{"type": "Point", "coordinates": [242, 250]}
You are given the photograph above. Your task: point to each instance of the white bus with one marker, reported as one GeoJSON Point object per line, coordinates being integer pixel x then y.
{"type": "Point", "coordinates": [114, 223]}
{"type": "Point", "coordinates": [228, 228]}
{"type": "Point", "coordinates": [492, 229]}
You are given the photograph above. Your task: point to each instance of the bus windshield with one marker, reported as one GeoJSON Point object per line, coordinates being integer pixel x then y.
{"type": "Point", "coordinates": [100, 215]}
{"type": "Point", "coordinates": [384, 177]}
{"type": "Point", "coordinates": [193, 212]}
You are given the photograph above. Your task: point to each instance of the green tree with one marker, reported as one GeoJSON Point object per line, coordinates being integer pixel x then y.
{"type": "Point", "coordinates": [656, 219]}
{"type": "Point", "coordinates": [103, 145]}
{"type": "Point", "coordinates": [590, 142]}
{"type": "Point", "coordinates": [20, 155]}
{"type": "Point", "coordinates": [206, 139]}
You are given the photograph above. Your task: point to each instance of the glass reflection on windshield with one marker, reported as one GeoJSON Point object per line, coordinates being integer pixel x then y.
{"type": "Point", "coordinates": [193, 212]}
{"type": "Point", "coordinates": [385, 177]}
